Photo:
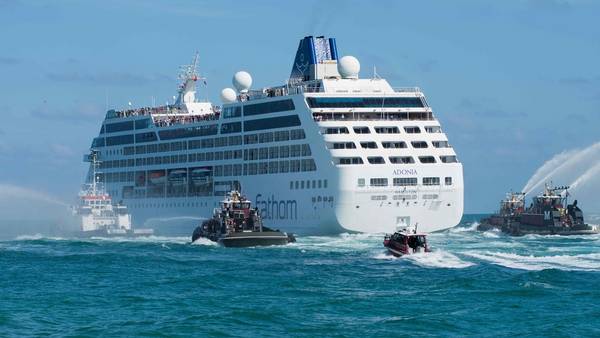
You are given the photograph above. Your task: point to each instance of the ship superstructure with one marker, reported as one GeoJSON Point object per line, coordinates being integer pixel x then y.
{"type": "Point", "coordinates": [326, 152]}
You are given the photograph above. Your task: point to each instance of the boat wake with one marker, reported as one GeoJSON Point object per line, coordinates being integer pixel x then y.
{"type": "Point", "coordinates": [469, 227]}
{"type": "Point", "coordinates": [438, 259]}
{"type": "Point", "coordinates": [582, 262]}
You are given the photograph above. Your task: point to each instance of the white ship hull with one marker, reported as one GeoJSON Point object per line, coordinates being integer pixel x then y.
{"type": "Point", "coordinates": [315, 180]}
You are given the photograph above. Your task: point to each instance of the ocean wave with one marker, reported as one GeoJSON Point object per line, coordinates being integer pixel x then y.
{"type": "Point", "coordinates": [583, 262]}
{"type": "Point", "coordinates": [204, 241]}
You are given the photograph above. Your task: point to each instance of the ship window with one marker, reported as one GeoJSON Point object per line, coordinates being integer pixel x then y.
{"type": "Point", "coordinates": [233, 127]}
{"type": "Point", "coordinates": [230, 112]}
{"type": "Point", "coordinates": [402, 159]}
{"type": "Point", "coordinates": [118, 140]}
{"type": "Point", "coordinates": [362, 130]}
{"type": "Point", "coordinates": [301, 184]}
{"type": "Point", "coordinates": [325, 184]}
{"type": "Point", "coordinates": [364, 102]}
{"type": "Point", "coordinates": [393, 145]}
{"type": "Point", "coordinates": [314, 184]}
{"type": "Point", "coordinates": [336, 130]}
{"type": "Point", "coordinates": [308, 165]}
{"type": "Point", "coordinates": [412, 130]}
{"type": "Point", "coordinates": [281, 135]}
{"type": "Point", "coordinates": [361, 182]}
{"type": "Point", "coordinates": [235, 140]}
{"type": "Point", "coordinates": [119, 126]}
{"type": "Point", "coordinates": [433, 129]}
{"type": "Point", "coordinates": [387, 130]}
{"type": "Point", "coordinates": [284, 166]}
{"type": "Point", "coordinates": [284, 151]}
{"type": "Point", "coordinates": [265, 137]}
{"type": "Point", "coordinates": [440, 144]}
{"type": "Point", "coordinates": [294, 166]}
{"type": "Point", "coordinates": [379, 182]}
{"type": "Point", "coordinates": [291, 185]}
{"type": "Point", "coordinates": [448, 181]}
{"type": "Point", "coordinates": [448, 159]}
{"type": "Point", "coordinates": [250, 139]}
{"type": "Point", "coordinates": [427, 159]}
{"type": "Point", "coordinates": [172, 134]}
{"type": "Point", "coordinates": [272, 123]}
{"type": "Point", "coordinates": [419, 144]}
{"type": "Point", "coordinates": [98, 142]}
{"type": "Point", "coordinates": [297, 134]}
{"type": "Point", "coordinates": [368, 145]}
{"type": "Point", "coordinates": [142, 124]}
{"type": "Point", "coordinates": [145, 137]}
{"type": "Point", "coordinates": [405, 181]}
{"type": "Point", "coordinates": [350, 160]}
{"type": "Point", "coordinates": [431, 181]}
{"type": "Point", "coordinates": [376, 160]}
{"type": "Point", "coordinates": [268, 107]}
{"type": "Point", "coordinates": [344, 145]}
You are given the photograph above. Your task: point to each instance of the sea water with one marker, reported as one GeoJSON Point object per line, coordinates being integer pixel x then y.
{"type": "Point", "coordinates": [473, 283]}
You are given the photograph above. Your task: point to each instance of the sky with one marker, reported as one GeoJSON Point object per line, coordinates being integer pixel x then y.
{"type": "Point", "coordinates": [512, 82]}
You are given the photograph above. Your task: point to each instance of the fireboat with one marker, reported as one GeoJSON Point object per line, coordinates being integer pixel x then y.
{"type": "Point", "coordinates": [549, 214]}
{"type": "Point", "coordinates": [237, 224]}
{"type": "Point", "coordinates": [406, 241]}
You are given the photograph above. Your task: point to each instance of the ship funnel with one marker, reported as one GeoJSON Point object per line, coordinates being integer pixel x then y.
{"type": "Point", "coordinates": [316, 58]}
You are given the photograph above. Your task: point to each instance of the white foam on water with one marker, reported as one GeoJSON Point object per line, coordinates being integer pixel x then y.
{"type": "Point", "coordinates": [204, 241]}
{"type": "Point", "coordinates": [491, 233]}
{"type": "Point", "coordinates": [385, 256]}
{"type": "Point", "coordinates": [584, 262]}
{"type": "Point", "coordinates": [144, 239]}
{"type": "Point", "coordinates": [342, 242]}
{"type": "Point", "coordinates": [469, 228]}
{"type": "Point", "coordinates": [39, 237]}
{"type": "Point", "coordinates": [438, 259]}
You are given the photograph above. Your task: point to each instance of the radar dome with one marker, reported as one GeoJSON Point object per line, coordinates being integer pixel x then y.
{"type": "Point", "coordinates": [242, 81]}
{"type": "Point", "coordinates": [348, 67]}
{"type": "Point", "coordinates": [228, 95]}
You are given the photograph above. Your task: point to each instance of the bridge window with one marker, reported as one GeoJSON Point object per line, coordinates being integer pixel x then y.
{"type": "Point", "coordinates": [272, 123]}
{"type": "Point", "coordinates": [402, 159]}
{"type": "Point", "coordinates": [419, 144]}
{"type": "Point", "coordinates": [412, 130]}
{"type": "Point", "coordinates": [405, 181]}
{"type": "Point", "coordinates": [368, 145]}
{"type": "Point", "coordinates": [376, 160]}
{"type": "Point", "coordinates": [118, 140]}
{"type": "Point", "coordinates": [431, 181]}
{"type": "Point", "coordinates": [379, 182]}
{"type": "Point", "coordinates": [268, 107]}
{"type": "Point", "coordinates": [448, 159]}
{"type": "Point", "coordinates": [364, 102]}
{"type": "Point", "coordinates": [387, 130]}
{"type": "Point", "coordinates": [362, 130]}
{"type": "Point", "coordinates": [145, 137]}
{"type": "Point", "coordinates": [427, 159]}
{"type": "Point", "coordinates": [230, 112]}
{"type": "Point", "coordinates": [119, 126]}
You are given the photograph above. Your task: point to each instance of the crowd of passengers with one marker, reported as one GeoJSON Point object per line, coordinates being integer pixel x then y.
{"type": "Point", "coordinates": [165, 121]}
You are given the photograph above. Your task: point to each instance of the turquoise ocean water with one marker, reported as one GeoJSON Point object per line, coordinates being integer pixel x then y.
{"type": "Point", "coordinates": [477, 284]}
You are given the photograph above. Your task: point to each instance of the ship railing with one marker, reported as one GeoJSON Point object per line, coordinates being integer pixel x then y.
{"type": "Point", "coordinates": [374, 116]}
{"type": "Point", "coordinates": [171, 120]}
{"type": "Point", "coordinates": [407, 89]}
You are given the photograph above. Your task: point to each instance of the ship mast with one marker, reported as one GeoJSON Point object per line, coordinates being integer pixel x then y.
{"type": "Point", "coordinates": [188, 76]}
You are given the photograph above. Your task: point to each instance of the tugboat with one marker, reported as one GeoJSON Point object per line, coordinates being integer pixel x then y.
{"type": "Point", "coordinates": [237, 224]}
{"type": "Point", "coordinates": [547, 215]}
{"type": "Point", "coordinates": [406, 241]}
{"type": "Point", "coordinates": [97, 214]}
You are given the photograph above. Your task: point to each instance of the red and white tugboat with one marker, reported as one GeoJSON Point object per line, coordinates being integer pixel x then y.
{"type": "Point", "coordinates": [237, 224]}
{"type": "Point", "coordinates": [406, 241]}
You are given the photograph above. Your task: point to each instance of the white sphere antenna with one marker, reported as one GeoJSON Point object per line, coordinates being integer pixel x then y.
{"type": "Point", "coordinates": [228, 95]}
{"type": "Point", "coordinates": [348, 67]}
{"type": "Point", "coordinates": [242, 81]}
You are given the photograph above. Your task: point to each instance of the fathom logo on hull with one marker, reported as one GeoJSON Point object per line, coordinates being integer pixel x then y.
{"type": "Point", "coordinates": [272, 208]}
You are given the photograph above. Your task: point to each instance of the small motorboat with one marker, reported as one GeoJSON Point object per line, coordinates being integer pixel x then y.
{"type": "Point", "coordinates": [237, 224]}
{"type": "Point", "coordinates": [406, 241]}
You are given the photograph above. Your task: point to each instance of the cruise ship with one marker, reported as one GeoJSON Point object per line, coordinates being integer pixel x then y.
{"type": "Point", "coordinates": [326, 152]}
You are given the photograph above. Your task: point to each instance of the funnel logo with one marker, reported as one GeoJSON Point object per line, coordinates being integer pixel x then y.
{"type": "Point", "coordinates": [301, 64]}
